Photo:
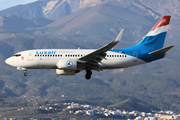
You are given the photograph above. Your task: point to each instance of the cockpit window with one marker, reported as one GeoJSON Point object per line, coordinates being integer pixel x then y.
{"type": "Point", "coordinates": [17, 55]}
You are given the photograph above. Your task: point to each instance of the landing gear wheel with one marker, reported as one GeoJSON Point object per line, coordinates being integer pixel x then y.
{"type": "Point", "coordinates": [25, 73]}
{"type": "Point", "coordinates": [88, 74]}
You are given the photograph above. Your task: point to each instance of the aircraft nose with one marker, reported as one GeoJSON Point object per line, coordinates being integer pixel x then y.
{"type": "Point", "coordinates": [8, 61]}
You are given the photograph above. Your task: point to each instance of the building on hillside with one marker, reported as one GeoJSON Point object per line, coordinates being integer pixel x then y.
{"type": "Point", "coordinates": [86, 107]}
{"type": "Point", "coordinates": [143, 114]}
{"type": "Point", "coordinates": [90, 112]}
{"type": "Point", "coordinates": [139, 118]}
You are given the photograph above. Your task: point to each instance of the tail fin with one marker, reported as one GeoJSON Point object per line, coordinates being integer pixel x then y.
{"type": "Point", "coordinates": [154, 40]}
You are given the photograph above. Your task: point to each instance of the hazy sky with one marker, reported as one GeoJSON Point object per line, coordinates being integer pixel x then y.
{"type": "Point", "coordinates": [9, 3]}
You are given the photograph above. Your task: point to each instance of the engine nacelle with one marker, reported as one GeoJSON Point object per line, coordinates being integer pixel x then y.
{"type": "Point", "coordinates": [67, 64]}
{"type": "Point", "coordinates": [65, 72]}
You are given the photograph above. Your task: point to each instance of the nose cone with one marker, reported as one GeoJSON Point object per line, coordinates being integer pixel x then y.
{"type": "Point", "coordinates": [8, 61]}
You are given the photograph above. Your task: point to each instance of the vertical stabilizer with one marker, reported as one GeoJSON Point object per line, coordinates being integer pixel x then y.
{"type": "Point", "coordinates": [154, 40]}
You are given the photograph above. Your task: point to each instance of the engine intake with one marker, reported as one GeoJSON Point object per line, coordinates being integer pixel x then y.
{"type": "Point", "coordinates": [67, 64]}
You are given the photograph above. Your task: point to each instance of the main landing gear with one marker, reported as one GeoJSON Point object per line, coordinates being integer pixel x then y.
{"type": "Point", "coordinates": [88, 74]}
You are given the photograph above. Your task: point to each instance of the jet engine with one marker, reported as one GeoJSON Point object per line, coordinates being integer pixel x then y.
{"type": "Point", "coordinates": [67, 64]}
{"type": "Point", "coordinates": [65, 72]}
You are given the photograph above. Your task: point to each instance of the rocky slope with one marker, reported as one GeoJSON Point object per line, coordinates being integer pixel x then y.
{"type": "Point", "coordinates": [55, 9]}
{"type": "Point", "coordinates": [19, 24]}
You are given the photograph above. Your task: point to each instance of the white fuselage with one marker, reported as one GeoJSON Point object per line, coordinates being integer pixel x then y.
{"type": "Point", "coordinates": [48, 58]}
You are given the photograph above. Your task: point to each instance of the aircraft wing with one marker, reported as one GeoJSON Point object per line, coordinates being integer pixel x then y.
{"type": "Point", "coordinates": [99, 54]}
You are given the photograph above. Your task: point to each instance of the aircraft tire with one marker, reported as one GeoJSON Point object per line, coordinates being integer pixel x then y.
{"type": "Point", "coordinates": [25, 74]}
{"type": "Point", "coordinates": [88, 74]}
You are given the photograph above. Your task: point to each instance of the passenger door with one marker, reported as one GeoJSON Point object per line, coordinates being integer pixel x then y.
{"type": "Point", "coordinates": [30, 58]}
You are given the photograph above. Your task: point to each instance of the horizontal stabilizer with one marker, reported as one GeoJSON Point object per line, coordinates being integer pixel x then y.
{"type": "Point", "coordinates": [161, 51]}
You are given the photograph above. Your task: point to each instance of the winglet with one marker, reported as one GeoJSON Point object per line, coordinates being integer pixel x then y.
{"type": "Point", "coordinates": [118, 38]}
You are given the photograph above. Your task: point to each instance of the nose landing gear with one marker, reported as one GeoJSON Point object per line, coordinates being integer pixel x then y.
{"type": "Point", "coordinates": [23, 69]}
{"type": "Point", "coordinates": [25, 73]}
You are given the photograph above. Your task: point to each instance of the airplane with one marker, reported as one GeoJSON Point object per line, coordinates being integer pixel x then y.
{"type": "Point", "coordinates": [72, 61]}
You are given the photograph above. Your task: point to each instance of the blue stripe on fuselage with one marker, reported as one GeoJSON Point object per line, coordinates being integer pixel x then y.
{"type": "Point", "coordinates": [147, 45]}
{"type": "Point", "coordinates": [143, 55]}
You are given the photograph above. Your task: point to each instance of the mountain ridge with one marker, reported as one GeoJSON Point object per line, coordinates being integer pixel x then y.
{"type": "Point", "coordinates": [55, 9]}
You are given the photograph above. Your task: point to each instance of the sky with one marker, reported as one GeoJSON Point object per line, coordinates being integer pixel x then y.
{"type": "Point", "coordinates": [10, 3]}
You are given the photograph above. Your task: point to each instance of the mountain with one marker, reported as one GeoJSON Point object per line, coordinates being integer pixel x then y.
{"type": "Point", "coordinates": [100, 22]}
{"type": "Point", "coordinates": [19, 24]}
{"type": "Point", "coordinates": [91, 24]}
{"type": "Point", "coordinates": [132, 104]}
{"type": "Point", "coordinates": [84, 15]}
{"type": "Point", "coordinates": [51, 9]}
{"type": "Point", "coordinates": [55, 9]}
